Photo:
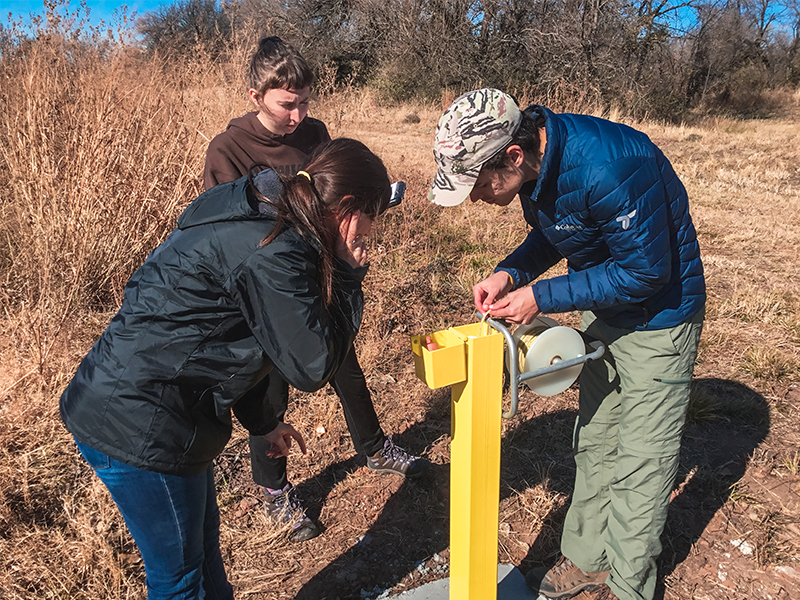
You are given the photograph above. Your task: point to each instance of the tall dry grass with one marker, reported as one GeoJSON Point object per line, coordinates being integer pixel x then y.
{"type": "Point", "coordinates": [99, 152]}
{"type": "Point", "coordinates": [98, 156]}
{"type": "Point", "coordinates": [101, 149]}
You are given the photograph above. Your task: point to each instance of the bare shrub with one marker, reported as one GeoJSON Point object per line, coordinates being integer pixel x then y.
{"type": "Point", "coordinates": [101, 146]}
{"type": "Point", "coordinates": [184, 26]}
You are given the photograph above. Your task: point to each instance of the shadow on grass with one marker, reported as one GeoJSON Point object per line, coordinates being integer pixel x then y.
{"type": "Point", "coordinates": [540, 451]}
{"type": "Point", "coordinates": [726, 422]}
{"type": "Point", "coordinates": [414, 522]}
{"type": "Point", "coordinates": [412, 526]}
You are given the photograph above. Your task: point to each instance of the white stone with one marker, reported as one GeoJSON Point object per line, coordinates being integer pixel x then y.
{"type": "Point", "coordinates": [744, 546]}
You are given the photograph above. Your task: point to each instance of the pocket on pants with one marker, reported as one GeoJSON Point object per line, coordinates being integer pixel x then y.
{"type": "Point", "coordinates": [686, 336]}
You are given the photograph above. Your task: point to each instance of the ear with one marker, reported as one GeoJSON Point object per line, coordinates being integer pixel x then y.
{"type": "Point", "coordinates": [516, 154]}
{"type": "Point", "coordinates": [255, 97]}
{"type": "Point", "coordinates": [338, 210]}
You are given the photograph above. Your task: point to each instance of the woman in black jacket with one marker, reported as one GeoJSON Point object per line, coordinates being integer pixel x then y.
{"type": "Point", "coordinates": [261, 273]}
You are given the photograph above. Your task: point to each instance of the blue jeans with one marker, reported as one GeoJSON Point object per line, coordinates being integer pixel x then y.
{"type": "Point", "coordinates": [174, 521]}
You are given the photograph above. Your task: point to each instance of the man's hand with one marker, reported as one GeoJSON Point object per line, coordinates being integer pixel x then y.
{"type": "Point", "coordinates": [517, 307]}
{"type": "Point", "coordinates": [281, 440]}
{"type": "Point", "coordinates": [490, 289]}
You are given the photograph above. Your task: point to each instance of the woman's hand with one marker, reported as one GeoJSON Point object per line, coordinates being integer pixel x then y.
{"type": "Point", "coordinates": [281, 440]}
{"type": "Point", "coordinates": [351, 246]}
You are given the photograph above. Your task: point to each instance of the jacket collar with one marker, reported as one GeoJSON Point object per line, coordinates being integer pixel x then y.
{"type": "Point", "coordinates": [234, 201]}
{"type": "Point", "coordinates": [551, 161]}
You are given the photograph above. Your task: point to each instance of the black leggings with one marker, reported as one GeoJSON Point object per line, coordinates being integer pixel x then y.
{"type": "Point", "coordinates": [351, 387]}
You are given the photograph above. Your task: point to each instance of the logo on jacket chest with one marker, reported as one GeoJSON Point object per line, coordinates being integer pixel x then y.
{"type": "Point", "coordinates": [568, 227]}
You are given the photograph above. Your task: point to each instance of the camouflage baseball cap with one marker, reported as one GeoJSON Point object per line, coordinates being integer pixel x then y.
{"type": "Point", "coordinates": [477, 126]}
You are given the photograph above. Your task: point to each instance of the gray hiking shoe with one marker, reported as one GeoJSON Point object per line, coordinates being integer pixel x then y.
{"type": "Point", "coordinates": [393, 459]}
{"type": "Point", "coordinates": [565, 580]}
{"type": "Point", "coordinates": [284, 508]}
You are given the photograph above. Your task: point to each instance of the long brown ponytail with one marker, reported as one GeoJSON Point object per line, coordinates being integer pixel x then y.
{"type": "Point", "coordinates": [340, 178]}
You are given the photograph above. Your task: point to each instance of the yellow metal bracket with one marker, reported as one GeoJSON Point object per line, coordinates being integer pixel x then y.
{"type": "Point", "coordinates": [470, 359]}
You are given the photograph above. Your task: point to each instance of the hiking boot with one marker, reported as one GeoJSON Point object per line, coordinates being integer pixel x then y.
{"type": "Point", "coordinates": [604, 593]}
{"type": "Point", "coordinates": [393, 459]}
{"type": "Point", "coordinates": [284, 508]}
{"type": "Point", "coordinates": [566, 580]}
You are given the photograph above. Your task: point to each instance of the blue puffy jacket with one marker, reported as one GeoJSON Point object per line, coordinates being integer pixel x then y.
{"type": "Point", "coordinates": [609, 202]}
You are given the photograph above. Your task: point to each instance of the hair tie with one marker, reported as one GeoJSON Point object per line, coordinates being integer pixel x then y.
{"type": "Point", "coordinates": [304, 174]}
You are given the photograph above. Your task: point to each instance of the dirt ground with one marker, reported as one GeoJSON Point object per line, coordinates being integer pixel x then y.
{"type": "Point", "coordinates": [733, 529]}
{"type": "Point", "coordinates": [731, 532]}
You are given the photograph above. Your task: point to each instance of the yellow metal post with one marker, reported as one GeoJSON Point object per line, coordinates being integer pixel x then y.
{"type": "Point", "coordinates": [470, 358]}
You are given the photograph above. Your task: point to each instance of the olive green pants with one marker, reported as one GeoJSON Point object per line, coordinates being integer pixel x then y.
{"type": "Point", "coordinates": [627, 439]}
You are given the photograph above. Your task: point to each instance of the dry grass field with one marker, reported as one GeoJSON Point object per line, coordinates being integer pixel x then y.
{"type": "Point", "coordinates": [96, 162]}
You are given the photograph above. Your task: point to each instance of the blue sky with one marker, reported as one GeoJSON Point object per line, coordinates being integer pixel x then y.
{"type": "Point", "coordinates": [99, 9]}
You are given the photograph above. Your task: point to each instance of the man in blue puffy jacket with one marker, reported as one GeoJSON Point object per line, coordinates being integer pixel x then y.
{"type": "Point", "coordinates": [604, 197]}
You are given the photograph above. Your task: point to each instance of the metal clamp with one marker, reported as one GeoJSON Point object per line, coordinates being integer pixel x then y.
{"type": "Point", "coordinates": [516, 378]}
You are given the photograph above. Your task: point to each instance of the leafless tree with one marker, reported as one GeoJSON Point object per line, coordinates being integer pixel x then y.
{"type": "Point", "coordinates": [655, 56]}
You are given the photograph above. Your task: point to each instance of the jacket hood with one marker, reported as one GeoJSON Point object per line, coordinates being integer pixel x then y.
{"type": "Point", "coordinates": [234, 201]}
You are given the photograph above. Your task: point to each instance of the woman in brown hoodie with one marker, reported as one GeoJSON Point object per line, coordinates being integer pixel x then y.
{"type": "Point", "coordinates": [281, 136]}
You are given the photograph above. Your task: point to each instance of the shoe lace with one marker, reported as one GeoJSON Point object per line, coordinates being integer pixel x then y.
{"type": "Point", "coordinates": [392, 451]}
{"type": "Point", "coordinates": [287, 504]}
{"type": "Point", "coordinates": [287, 498]}
{"type": "Point", "coordinates": [563, 564]}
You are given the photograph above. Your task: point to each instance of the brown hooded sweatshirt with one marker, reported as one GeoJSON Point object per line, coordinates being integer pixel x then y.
{"type": "Point", "coordinates": [246, 142]}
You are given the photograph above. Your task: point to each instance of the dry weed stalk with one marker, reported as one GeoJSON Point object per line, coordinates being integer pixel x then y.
{"type": "Point", "coordinates": [100, 152]}
{"type": "Point", "coordinates": [99, 155]}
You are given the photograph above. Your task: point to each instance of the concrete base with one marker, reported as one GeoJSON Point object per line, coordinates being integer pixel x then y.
{"type": "Point", "coordinates": [510, 586]}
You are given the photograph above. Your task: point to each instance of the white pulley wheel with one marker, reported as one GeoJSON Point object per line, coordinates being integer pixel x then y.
{"type": "Point", "coordinates": [544, 343]}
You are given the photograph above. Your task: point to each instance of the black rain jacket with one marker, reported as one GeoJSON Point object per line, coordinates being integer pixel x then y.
{"type": "Point", "coordinates": [202, 323]}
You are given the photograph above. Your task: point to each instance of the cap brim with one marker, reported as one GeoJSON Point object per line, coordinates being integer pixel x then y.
{"type": "Point", "coordinates": [451, 190]}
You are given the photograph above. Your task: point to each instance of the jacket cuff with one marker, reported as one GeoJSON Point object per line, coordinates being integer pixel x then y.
{"type": "Point", "coordinates": [511, 275]}
{"type": "Point", "coordinates": [538, 289]}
